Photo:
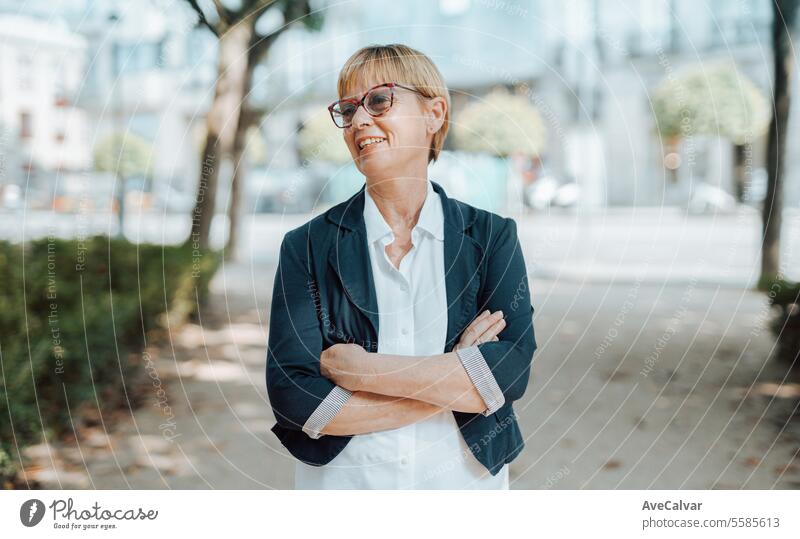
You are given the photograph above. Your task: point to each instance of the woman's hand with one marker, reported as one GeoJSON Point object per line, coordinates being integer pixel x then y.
{"type": "Point", "coordinates": [344, 364]}
{"type": "Point", "coordinates": [484, 328]}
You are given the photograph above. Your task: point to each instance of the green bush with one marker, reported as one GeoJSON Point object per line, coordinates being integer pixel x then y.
{"type": "Point", "coordinates": [71, 313]}
{"type": "Point", "coordinates": [784, 296]}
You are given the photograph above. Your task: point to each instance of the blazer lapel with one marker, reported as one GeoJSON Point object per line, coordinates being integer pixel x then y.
{"type": "Point", "coordinates": [349, 260]}
{"type": "Point", "coordinates": [462, 259]}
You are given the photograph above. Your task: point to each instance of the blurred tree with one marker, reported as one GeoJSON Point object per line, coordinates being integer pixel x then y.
{"type": "Point", "coordinates": [241, 48]}
{"type": "Point", "coordinates": [320, 139]}
{"type": "Point", "coordinates": [784, 13]}
{"type": "Point", "coordinates": [714, 100]}
{"type": "Point", "coordinates": [500, 124]}
{"type": "Point", "coordinates": [125, 154]}
{"type": "Point", "coordinates": [256, 148]}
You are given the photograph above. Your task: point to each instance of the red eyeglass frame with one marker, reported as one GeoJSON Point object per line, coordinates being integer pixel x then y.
{"type": "Point", "coordinates": [360, 102]}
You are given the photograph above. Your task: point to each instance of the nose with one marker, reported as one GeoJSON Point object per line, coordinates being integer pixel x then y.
{"type": "Point", "coordinates": [361, 117]}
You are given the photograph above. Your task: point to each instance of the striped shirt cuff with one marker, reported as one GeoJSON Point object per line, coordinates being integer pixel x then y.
{"type": "Point", "coordinates": [326, 411]}
{"type": "Point", "coordinates": [481, 375]}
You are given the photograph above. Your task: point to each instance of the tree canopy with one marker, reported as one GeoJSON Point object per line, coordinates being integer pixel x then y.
{"type": "Point", "coordinates": [500, 124]}
{"type": "Point", "coordinates": [321, 140]}
{"type": "Point", "coordinates": [712, 100]}
{"type": "Point", "coordinates": [124, 153]}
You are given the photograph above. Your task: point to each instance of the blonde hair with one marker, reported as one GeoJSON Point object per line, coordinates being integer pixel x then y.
{"type": "Point", "coordinates": [401, 64]}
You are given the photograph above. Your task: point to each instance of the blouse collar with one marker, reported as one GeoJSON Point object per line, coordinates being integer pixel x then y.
{"type": "Point", "coordinates": [431, 217]}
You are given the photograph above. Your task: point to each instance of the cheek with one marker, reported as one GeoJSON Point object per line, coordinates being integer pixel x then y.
{"type": "Point", "coordinates": [407, 131]}
{"type": "Point", "coordinates": [351, 145]}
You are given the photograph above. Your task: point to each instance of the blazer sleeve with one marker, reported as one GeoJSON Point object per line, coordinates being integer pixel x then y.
{"type": "Point", "coordinates": [507, 289]}
{"type": "Point", "coordinates": [295, 386]}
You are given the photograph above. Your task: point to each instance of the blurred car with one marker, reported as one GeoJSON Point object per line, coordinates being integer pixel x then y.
{"type": "Point", "coordinates": [11, 196]}
{"type": "Point", "coordinates": [274, 190]}
{"type": "Point", "coordinates": [172, 200]}
{"type": "Point", "coordinates": [708, 198]}
{"type": "Point", "coordinates": [547, 191]}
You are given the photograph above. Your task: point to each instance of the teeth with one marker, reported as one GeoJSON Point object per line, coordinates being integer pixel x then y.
{"type": "Point", "coordinates": [369, 141]}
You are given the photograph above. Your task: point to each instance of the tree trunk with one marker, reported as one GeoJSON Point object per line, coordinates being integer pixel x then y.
{"type": "Point", "coordinates": [740, 179]}
{"type": "Point", "coordinates": [248, 117]}
{"type": "Point", "coordinates": [221, 125]}
{"type": "Point", "coordinates": [237, 184]}
{"type": "Point", "coordinates": [241, 48]}
{"type": "Point", "coordinates": [783, 15]}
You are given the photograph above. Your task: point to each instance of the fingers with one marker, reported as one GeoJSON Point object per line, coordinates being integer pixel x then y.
{"type": "Point", "coordinates": [480, 317]}
{"type": "Point", "coordinates": [491, 333]}
{"type": "Point", "coordinates": [475, 332]}
{"type": "Point", "coordinates": [471, 333]}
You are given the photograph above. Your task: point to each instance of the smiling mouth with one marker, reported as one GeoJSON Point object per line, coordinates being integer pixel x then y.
{"type": "Point", "coordinates": [371, 142]}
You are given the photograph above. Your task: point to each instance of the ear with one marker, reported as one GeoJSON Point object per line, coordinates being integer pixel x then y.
{"type": "Point", "coordinates": [436, 109]}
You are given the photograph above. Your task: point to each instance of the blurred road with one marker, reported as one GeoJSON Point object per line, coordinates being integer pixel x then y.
{"type": "Point", "coordinates": [618, 245]}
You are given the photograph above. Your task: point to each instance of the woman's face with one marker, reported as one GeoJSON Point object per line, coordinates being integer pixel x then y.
{"type": "Point", "coordinates": [405, 130]}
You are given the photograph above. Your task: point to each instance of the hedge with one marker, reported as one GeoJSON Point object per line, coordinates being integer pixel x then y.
{"type": "Point", "coordinates": [71, 314]}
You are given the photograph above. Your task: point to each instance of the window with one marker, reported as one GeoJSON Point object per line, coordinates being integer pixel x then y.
{"type": "Point", "coordinates": [138, 57]}
{"type": "Point", "coordinates": [25, 67]}
{"type": "Point", "coordinates": [25, 125]}
{"type": "Point", "coordinates": [59, 89]}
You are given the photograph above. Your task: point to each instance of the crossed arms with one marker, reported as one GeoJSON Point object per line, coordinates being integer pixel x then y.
{"type": "Point", "coordinates": [345, 390]}
{"type": "Point", "coordinates": [388, 391]}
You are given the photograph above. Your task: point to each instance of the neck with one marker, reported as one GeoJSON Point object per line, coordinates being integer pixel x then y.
{"type": "Point", "coordinates": [399, 200]}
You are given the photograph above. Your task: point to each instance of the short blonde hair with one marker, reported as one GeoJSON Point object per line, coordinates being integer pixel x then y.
{"type": "Point", "coordinates": [401, 64]}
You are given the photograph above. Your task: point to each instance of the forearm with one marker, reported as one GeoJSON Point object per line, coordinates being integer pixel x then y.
{"type": "Point", "coordinates": [366, 412]}
{"type": "Point", "coordinates": [438, 379]}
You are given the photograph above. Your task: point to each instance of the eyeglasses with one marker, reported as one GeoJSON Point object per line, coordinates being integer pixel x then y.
{"type": "Point", "coordinates": [376, 101]}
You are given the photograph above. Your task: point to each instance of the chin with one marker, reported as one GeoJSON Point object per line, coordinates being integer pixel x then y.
{"type": "Point", "coordinates": [373, 167]}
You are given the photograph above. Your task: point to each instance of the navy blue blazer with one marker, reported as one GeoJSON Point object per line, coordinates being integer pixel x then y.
{"type": "Point", "coordinates": [324, 294]}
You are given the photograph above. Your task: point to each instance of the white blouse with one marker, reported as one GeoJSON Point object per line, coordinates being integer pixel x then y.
{"type": "Point", "coordinates": [412, 304]}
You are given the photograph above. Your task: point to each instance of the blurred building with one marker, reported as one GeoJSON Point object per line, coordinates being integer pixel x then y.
{"type": "Point", "coordinates": [136, 67]}
{"type": "Point", "coordinates": [44, 131]}
{"type": "Point", "coordinates": [589, 66]}
{"type": "Point", "coordinates": [151, 73]}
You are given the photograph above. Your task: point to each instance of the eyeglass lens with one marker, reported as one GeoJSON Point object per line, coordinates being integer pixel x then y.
{"type": "Point", "coordinates": [376, 102]}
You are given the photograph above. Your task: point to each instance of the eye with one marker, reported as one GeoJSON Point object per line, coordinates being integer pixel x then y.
{"type": "Point", "coordinates": [378, 102]}
{"type": "Point", "coordinates": [346, 109]}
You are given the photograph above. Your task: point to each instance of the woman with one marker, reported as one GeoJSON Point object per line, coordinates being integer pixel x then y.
{"type": "Point", "coordinates": [401, 320]}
